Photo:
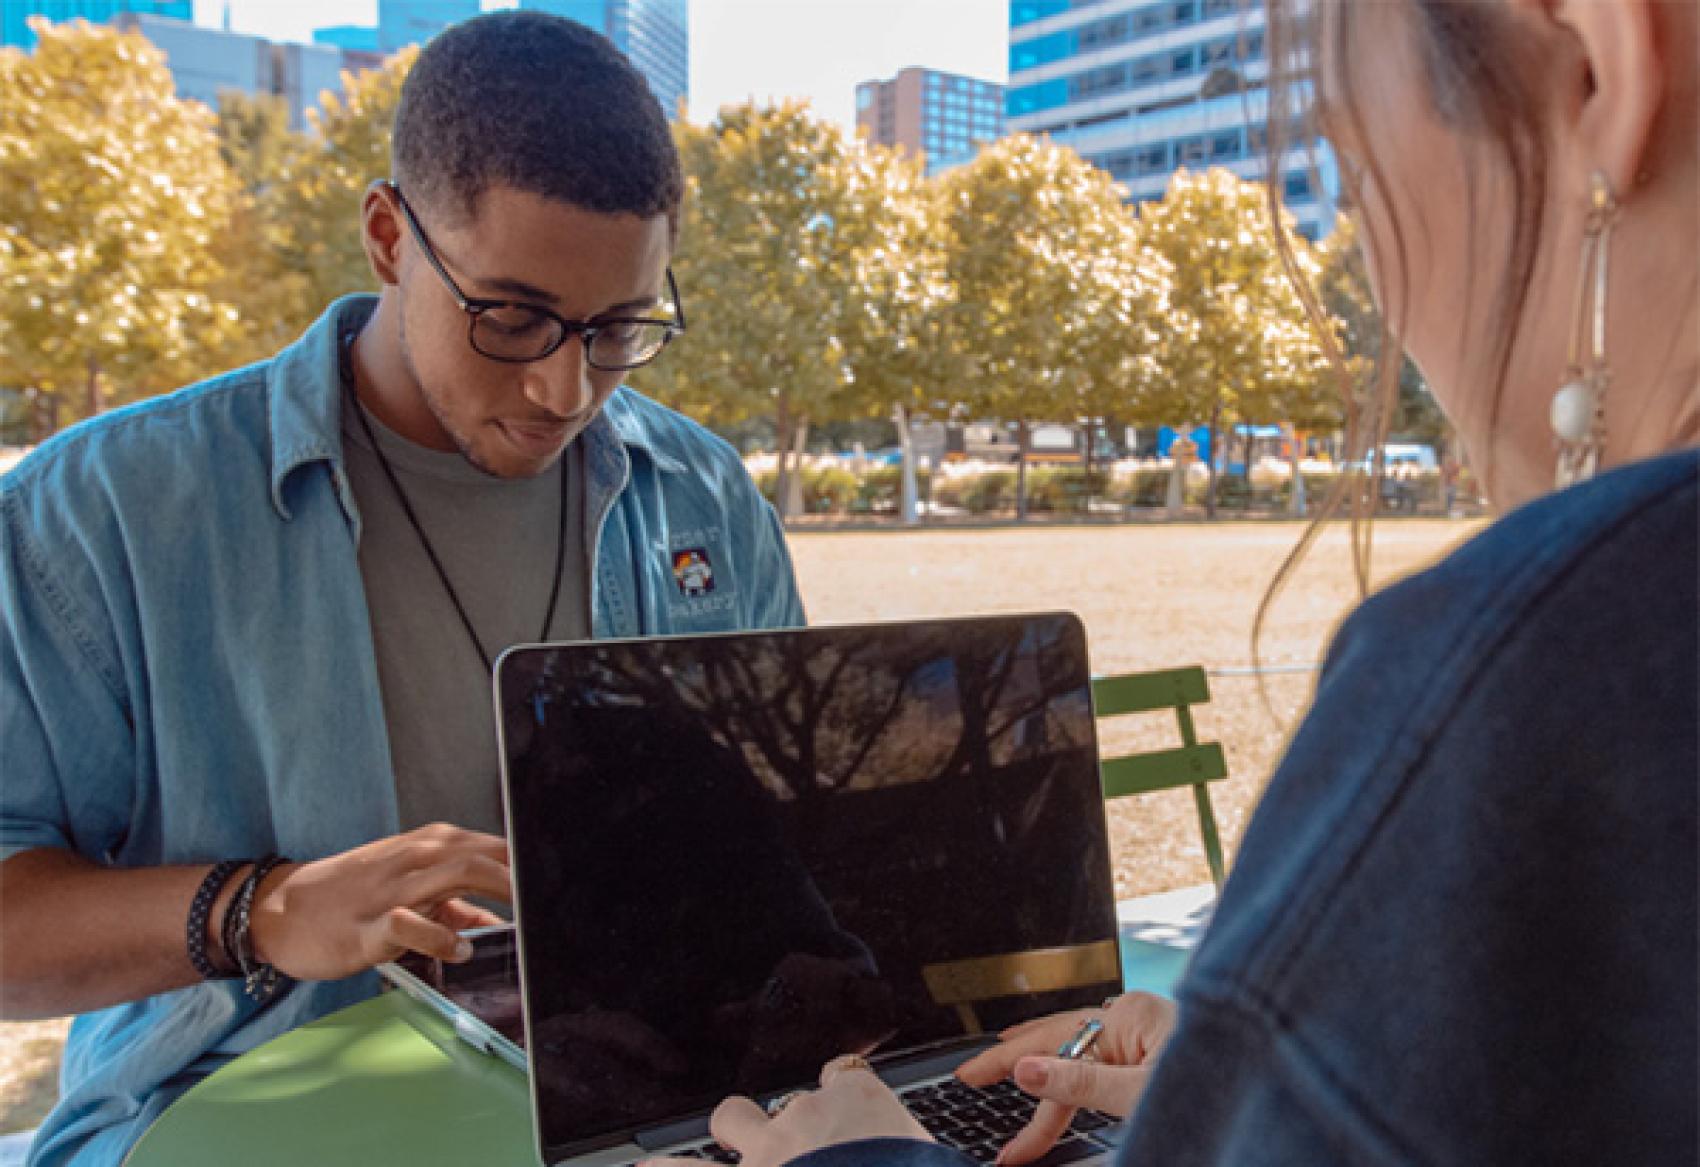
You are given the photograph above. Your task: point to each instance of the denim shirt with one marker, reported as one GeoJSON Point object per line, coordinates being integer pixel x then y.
{"type": "Point", "coordinates": [1462, 928]}
{"type": "Point", "coordinates": [187, 672]}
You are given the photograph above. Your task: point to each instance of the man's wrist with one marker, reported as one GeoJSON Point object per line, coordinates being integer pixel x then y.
{"type": "Point", "coordinates": [206, 915]}
{"type": "Point", "coordinates": [267, 913]}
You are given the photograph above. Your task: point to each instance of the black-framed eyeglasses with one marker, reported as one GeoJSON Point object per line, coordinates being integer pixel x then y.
{"type": "Point", "coordinates": [519, 333]}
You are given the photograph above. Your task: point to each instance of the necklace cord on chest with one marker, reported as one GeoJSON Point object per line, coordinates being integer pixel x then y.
{"type": "Point", "coordinates": [345, 367]}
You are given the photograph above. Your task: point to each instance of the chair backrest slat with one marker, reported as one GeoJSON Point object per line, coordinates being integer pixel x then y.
{"type": "Point", "coordinates": [1162, 770]}
{"type": "Point", "coordinates": [1194, 764]}
{"type": "Point", "coordinates": [1146, 692]}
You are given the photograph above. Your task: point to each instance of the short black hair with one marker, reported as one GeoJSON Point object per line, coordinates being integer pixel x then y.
{"type": "Point", "coordinates": [538, 103]}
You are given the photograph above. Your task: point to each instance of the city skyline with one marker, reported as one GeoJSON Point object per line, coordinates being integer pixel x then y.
{"type": "Point", "coordinates": [765, 49]}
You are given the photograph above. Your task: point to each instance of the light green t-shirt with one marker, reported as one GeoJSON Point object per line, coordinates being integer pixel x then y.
{"type": "Point", "coordinates": [496, 539]}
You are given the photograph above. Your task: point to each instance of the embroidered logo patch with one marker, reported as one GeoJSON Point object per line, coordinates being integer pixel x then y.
{"type": "Point", "coordinates": [693, 572]}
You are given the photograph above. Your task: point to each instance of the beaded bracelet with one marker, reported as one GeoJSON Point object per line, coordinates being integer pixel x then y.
{"type": "Point", "coordinates": [259, 979]}
{"type": "Point", "coordinates": [200, 908]}
{"type": "Point", "coordinates": [227, 926]}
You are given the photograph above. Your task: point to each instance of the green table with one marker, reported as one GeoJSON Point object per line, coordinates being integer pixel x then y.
{"type": "Point", "coordinates": [382, 1082]}
{"type": "Point", "coordinates": [387, 1082]}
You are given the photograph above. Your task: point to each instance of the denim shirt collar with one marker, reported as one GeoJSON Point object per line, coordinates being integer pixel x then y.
{"type": "Point", "coordinates": [306, 418]}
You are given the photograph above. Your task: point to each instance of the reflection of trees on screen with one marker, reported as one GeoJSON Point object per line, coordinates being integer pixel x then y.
{"type": "Point", "coordinates": [814, 713]}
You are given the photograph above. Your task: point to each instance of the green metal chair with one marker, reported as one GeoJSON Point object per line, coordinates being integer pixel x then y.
{"type": "Point", "coordinates": [1195, 764]}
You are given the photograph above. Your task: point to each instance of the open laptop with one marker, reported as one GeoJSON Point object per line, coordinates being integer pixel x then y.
{"type": "Point", "coordinates": [737, 856]}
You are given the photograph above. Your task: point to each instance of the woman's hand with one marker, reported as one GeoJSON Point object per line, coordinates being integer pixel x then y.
{"type": "Point", "coordinates": [342, 915]}
{"type": "Point", "coordinates": [851, 1104]}
{"type": "Point", "coordinates": [1111, 1079]}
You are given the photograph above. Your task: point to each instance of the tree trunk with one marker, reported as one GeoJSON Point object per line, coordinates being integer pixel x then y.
{"type": "Point", "coordinates": [1021, 440]}
{"type": "Point", "coordinates": [905, 442]}
{"type": "Point", "coordinates": [800, 443]}
{"type": "Point", "coordinates": [44, 416]}
{"type": "Point", "coordinates": [94, 387]}
{"type": "Point", "coordinates": [1091, 433]}
{"type": "Point", "coordinates": [782, 471]}
{"type": "Point", "coordinates": [1215, 451]}
{"type": "Point", "coordinates": [1297, 504]}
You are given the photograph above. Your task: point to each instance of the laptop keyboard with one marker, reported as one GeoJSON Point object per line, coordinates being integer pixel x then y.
{"type": "Point", "coordinates": [978, 1123]}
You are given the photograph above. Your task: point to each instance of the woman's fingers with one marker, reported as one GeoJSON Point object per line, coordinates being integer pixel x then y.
{"type": "Point", "coordinates": [735, 1122]}
{"type": "Point", "coordinates": [1040, 1036]}
{"type": "Point", "coordinates": [1049, 1122]}
{"type": "Point", "coordinates": [1083, 1084]}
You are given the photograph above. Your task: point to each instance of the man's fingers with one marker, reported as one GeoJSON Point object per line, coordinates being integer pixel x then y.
{"type": "Point", "coordinates": [1040, 1134]}
{"type": "Point", "coordinates": [1111, 1089]}
{"type": "Point", "coordinates": [407, 930]}
{"type": "Point", "coordinates": [464, 875]}
{"type": "Point", "coordinates": [460, 915]}
{"type": "Point", "coordinates": [735, 1122]}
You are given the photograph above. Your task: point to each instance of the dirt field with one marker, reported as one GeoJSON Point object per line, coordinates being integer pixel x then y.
{"type": "Point", "coordinates": [1151, 597]}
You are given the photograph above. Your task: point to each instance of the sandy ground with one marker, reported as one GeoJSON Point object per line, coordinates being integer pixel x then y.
{"type": "Point", "coordinates": [1150, 596]}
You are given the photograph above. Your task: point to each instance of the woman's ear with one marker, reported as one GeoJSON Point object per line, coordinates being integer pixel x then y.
{"type": "Point", "coordinates": [380, 232]}
{"type": "Point", "coordinates": [1608, 121]}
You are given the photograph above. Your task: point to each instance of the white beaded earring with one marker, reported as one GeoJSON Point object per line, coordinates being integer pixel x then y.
{"type": "Point", "coordinates": [1578, 408]}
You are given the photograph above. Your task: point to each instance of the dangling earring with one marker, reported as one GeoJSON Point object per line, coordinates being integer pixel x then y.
{"type": "Point", "coordinates": [1578, 408]}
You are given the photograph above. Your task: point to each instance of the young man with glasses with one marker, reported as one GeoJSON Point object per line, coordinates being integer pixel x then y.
{"type": "Point", "coordinates": [246, 630]}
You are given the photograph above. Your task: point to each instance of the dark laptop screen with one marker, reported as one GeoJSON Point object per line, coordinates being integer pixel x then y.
{"type": "Point", "coordinates": [739, 856]}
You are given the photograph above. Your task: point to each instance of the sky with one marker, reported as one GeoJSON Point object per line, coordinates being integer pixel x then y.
{"type": "Point", "coordinates": [817, 49]}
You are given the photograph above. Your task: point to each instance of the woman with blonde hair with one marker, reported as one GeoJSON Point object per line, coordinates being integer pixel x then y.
{"type": "Point", "coordinates": [1462, 927]}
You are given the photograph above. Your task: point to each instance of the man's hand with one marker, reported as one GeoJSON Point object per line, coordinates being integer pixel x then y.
{"type": "Point", "coordinates": [342, 915]}
{"type": "Point", "coordinates": [1136, 1026]}
{"type": "Point", "coordinates": [851, 1104]}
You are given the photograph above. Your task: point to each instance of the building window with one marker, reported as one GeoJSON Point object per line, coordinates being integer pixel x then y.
{"type": "Point", "coordinates": [1297, 188]}
{"type": "Point", "coordinates": [1189, 152]}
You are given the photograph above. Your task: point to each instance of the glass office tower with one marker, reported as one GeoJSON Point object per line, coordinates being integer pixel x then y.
{"type": "Point", "coordinates": [1143, 88]}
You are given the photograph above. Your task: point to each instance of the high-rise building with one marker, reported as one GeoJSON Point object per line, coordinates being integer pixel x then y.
{"type": "Point", "coordinates": [655, 34]}
{"type": "Point", "coordinates": [208, 62]}
{"type": "Point", "coordinates": [350, 38]}
{"type": "Point", "coordinates": [942, 116]}
{"type": "Point", "coordinates": [1143, 88]}
{"type": "Point", "coordinates": [15, 14]}
{"type": "Point", "coordinates": [413, 22]}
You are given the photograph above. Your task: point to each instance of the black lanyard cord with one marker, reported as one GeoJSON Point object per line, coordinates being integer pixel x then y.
{"type": "Point", "coordinates": [345, 367]}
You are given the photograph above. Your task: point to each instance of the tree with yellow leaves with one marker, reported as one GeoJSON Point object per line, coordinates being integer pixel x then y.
{"type": "Point", "coordinates": [807, 254]}
{"type": "Point", "coordinates": [313, 210]}
{"type": "Point", "coordinates": [112, 197]}
{"type": "Point", "coordinates": [1058, 307]}
{"type": "Point", "coordinates": [1239, 344]}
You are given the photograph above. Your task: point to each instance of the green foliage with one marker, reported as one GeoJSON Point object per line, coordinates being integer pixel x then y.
{"type": "Point", "coordinates": [1239, 342]}
{"type": "Point", "coordinates": [881, 488]}
{"type": "Point", "coordinates": [1345, 291]}
{"type": "Point", "coordinates": [313, 209]}
{"type": "Point", "coordinates": [830, 490]}
{"type": "Point", "coordinates": [1058, 308]}
{"type": "Point", "coordinates": [806, 249]}
{"type": "Point", "coordinates": [1065, 489]}
{"type": "Point", "coordinates": [145, 243]}
{"type": "Point", "coordinates": [993, 490]}
{"type": "Point", "coordinates": [254, 138]}
{"type": "Point", "coordinates": [1145, 486]}
{"type": "Point", "coordinates": [113, 199]}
